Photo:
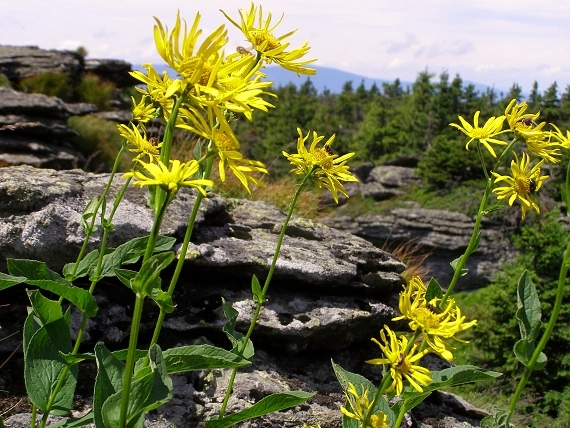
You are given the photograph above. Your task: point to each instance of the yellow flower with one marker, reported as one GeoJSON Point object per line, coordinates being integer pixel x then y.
{"type": "Point", "coordinates": [401, 362]}
{"type": "Point", "coordinates": [159, 89]}
{"type": "Point", "coordinates": [516, 117]}
{"type": "Point", "coordinates": [328, 168]}
{"type": "Point", "coordinates": [311, 426]}
{"type": "Point", "coordinates": [141, 145]}
{"type": "Point", "coordinates": [235, 86]}
{"type": "Point", "coordinates": [143, 112]}
{"type": "Point", "coordinates": [564, 141]}
{"type": "Point", "coordinates": [436, 325]}
{"type": "Point", "coordinates": [521, 184]}
{"type": "Point", "coordinates": [492, 127]}
{"type": "Point", "coordinates": [224, 143]}
{"type": "Point", "coordinates": [360, 405]}
{"type": "Point", "coordinates": [541, 145]}
{"type": "Point", "coordinates": [181, 51]}
{"type": "Point", "coordinates": [269, 47]}
{"type": "Point", "coordinates": [158, 174]}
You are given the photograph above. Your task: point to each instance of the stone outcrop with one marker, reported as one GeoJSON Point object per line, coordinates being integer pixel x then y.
{"type": "Point", "coordinates": [331, 292]}
{"type": "Point", "coordinates": [34, 131]}
{"type": "Point", "coordinates": [20, 62]}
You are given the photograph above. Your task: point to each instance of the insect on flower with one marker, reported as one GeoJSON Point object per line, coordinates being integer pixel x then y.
{"type": "Point", "coordinates": [532, 185]}
{"type": "Point", "coordinates": [527, 121]}
{"type": "Point", "coordinates": [243, 51]}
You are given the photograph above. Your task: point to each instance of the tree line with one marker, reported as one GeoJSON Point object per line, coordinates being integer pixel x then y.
{"type": "Point", "coordinates": [392, 123]}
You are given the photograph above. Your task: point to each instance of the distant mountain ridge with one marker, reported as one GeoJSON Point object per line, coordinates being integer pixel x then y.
{"type": "Point", "coordinates": [330, 78]}
{"type": "Point", "coordinates": [334, 79]}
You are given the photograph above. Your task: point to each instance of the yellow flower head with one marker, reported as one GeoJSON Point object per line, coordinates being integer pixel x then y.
{"type": "Point", "coordinates": [236, 87]}
{"type": "Point", "coordinates": [435, 324]}
{"type": "Point", "coordinates": [312, 426]}
{"type": "Point", "coordinates": [180, 49]}
{"type": "Point", "coordinates": [329, 169]}
{"type": "Point", "coordinates": [401, 362]}
{"type": "Point", "coordinates": [563, 140]}
{"type": "Point", "coordinates": [360, 405]}
{"type": "Point", "coordinates": [179, 175]}
{"type": "Point", "coordinates": [492, 128]}
{"type": "Point", "coordinates": [522, 184]}
{"type": "Point", "coordinates": [269, 47]}
{"type": "Point", "coordinates": [158, 89]}
{"type": "Point", "coordinates": [215, 128]}
{"type": "Point", "coordinates": [143, 112]}
{"type": "Point", "coordinates": [139, 143]}
{"type": "Point", "coordinates": [517, 118]}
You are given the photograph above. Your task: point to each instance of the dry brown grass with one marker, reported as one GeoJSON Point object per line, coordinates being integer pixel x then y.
{"type": "Point", "coordinates": [412, 255]}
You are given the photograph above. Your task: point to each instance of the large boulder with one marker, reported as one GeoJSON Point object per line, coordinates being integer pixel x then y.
{"type": "Point", "coordinates": [331, 293]}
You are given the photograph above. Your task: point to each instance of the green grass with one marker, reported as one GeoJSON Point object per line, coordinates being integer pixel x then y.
{"type": "Point", "coordinates": [99, 141]}
{"type": "Point", "coordinates": [4, 81]}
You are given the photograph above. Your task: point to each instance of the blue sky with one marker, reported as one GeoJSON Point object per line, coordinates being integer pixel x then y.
{"type": "Point", "coordinates": [493, 42]}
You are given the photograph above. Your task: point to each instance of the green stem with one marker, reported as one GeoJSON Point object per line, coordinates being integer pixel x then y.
{"type": "Point", "coordinates": [383, 385]}
{"type": "Point", "coordinates": [136, 320]}
{"type": "Point", "coordinates": [474, 240]}
{"type": "Point", "coordinates": [34, 414]}
{"type": "Point", "coordinates": [265, 287]}
{"type": "Point", "coordinates": [183, 251]}
{"type": "Point", "coordinates": [548, 331]}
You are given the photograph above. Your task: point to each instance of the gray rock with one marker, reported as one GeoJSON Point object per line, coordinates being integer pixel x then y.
{"type": "Point", "coordinates": [19, 62]}
{"type": "Point", "coordinates": [112, 70]}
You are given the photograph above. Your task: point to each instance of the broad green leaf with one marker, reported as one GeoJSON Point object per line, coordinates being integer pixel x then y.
{"type": "Point", "coordinates": [256, 290]}
{"type": "Point", "coordinates": [149, 275]}
{"type": "Point", "coordinates": [433, 290]}
{"type": "Point", "coordinates": [87, 263]}
{"type": "Point", "coordinates": [201, 357]}
{"type": "Point", "coordinates": [31, 325]}
{"type": "Point", "coordinates": [74, 422]}
{"type": "Point", "coordinates": [235, 336]}
{"type": "Point", "coordinates": [524, 349]}
{"type": "Point", "coordinates": [7, 281]}
{"type": "Point", "coordinates": [454, 263]}
{"type": "Point", "coordinates": [496, 420]}
{"type": "Point", "coordinates": [38, 274]}
{"type": "Point", "coordinates": [45, 309]}
{"type": "Point", "coordinates": [130, 252]}
{"type": "Point", "coordinates": [44, 366]}
{"type": "Point", "coordinates": [270, 404]}
{"type": "Point", "coordinates": [528, 308]}
{"type": "Point", "coordinates": [452, 376]}
{"type": "Point", "coordinates": [345, 377]}
{"type": "Point", "coordinates": [125, 276]}
{"type": "Point", "coordinates": [150, 389]}
{"type": "Point", "coordinates": [109, 380]}
{"type": "Point", "coordinates": [163, 300]}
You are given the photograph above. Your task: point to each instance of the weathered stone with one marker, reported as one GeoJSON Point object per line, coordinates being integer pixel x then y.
{"type": "Point", "coordinates": [112, 70]}
{"type": "Point", "coordinates": [19, 62]}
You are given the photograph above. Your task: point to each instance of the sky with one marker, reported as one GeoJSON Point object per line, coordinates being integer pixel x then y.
{"type": "Point", "coordinates": [491, 42]}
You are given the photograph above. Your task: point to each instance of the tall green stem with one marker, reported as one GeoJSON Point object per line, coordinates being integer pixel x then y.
{"type": "Point", "coordinates": [183, 251]}
{"type": "Point", "coordinates": [265, 287]}
{"type": "Point", "coordinates": [135, 323]}
{"type": "Point", "coordinates": [383, 385]}
{"type": "Point", "coordinates": [475, 236]}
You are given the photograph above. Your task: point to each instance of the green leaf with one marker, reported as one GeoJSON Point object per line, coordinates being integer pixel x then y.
{"type": "Point", "coordinates": [38, 274]}
{"type": "Point", "coordinates": [345, 377]}
{"type": "Point", "coordinates": [497, 420]}
{"type": "Point", "coordinates": [151, 388]}
{"type": "Point", "coordinates": [256, 290]}
{"type": "Point", "coordinates": [130, 252]}
{"type": "Point", "coordinates": [125, 276]}
{"type": "Point", "coordinates": [74, 422]}
{"type": "Point", "coordinates": [454, 263]}
{"type": "Point", "coordinates": [44, 366]}
{"type": "Point", "coordinates": [163, 300]}
{"type": "Point", "coordinates": [7, 281]}
{"type": "Point", "coordinates": [109, 380]}
{"type": "Point", "coordinates": [45, 309]}
{"type": "Point", "coordinates": [433, 290]}
{"type": "Point", "coordinates": [90, 211]}
{"type": "Point", "coordinates": [452, 376]}
{"type": "Point", "coordinates": [235, 336]}
{"type": "Point", "coordinates": [269, 404]}
{"type": "Point", "coordinates": [87, 263]}
{"type": "Point", "coordinates": [528, 308]}
{"type": "Point", "coordinates": [149, 275]}
{"type": "Point", "coordinates": [524, 349]}
{"type": "Point", "coordinates": [201, 357]}
{"type": "Point", "coordinates": [31, 325]}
